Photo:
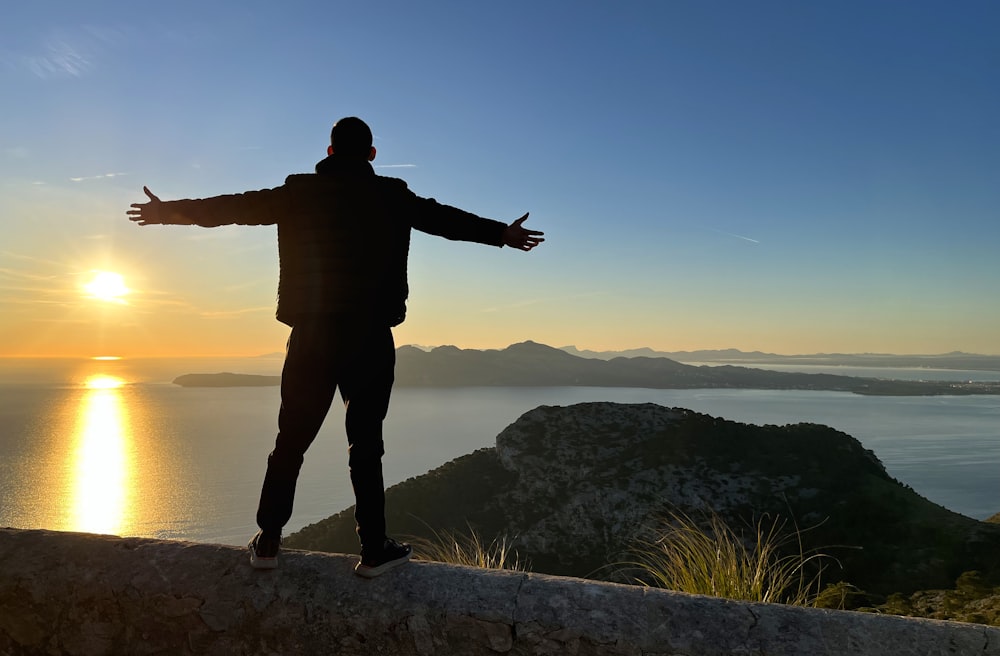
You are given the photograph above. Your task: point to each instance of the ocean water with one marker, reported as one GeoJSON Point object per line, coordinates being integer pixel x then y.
{"type": "Point", "coordinates": [114, 447]}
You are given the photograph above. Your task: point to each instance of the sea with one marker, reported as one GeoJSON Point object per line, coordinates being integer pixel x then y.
{"type": "Point", "coordinates": [113, 446]}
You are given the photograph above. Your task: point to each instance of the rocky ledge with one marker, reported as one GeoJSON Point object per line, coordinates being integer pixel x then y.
{"type": "Point", "coordinates": [65, 593]}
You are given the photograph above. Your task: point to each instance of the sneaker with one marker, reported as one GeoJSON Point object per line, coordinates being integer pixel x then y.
{"type": "Point", "coordinates": [264, 550]}
{"type": "Point", "coordinates": [374, 563]}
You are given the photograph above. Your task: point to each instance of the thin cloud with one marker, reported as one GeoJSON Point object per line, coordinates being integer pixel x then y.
{"type": "Point", "coordinates": [519, 304]}
{"type": "Point", "coordinates": [103, 176]}
{"type": "Point", "coordinates": [30, 258]}
{"type": "Point", "coordinates": [250, 284]}
{"type": "Point", "coordinates": [733, 234]}
{"type": "Point", "coordinates": [59, 59]}
{"type": "Point", "coordinates": [536, 301]}
{"type": "Point", "coordinates": [395, 166]}
{"type": "Point", "coordinates": [237, 313]}
{"type": "Point", "coordinates": [23, 275]}
{"type": "Point", "coordinates": [67, 53]}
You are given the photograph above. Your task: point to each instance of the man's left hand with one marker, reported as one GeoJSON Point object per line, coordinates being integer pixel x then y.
{"type": "Point", "coordinates": [521, 238]}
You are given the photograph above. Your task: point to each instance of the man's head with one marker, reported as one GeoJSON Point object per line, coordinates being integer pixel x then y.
{"type": "Point", "coordinates": [351, 137]}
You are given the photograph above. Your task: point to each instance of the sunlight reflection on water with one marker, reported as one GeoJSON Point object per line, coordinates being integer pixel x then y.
{"type": "Point", "coordinates": [107, 470]}
{"type": "Point", "coordinates": [102, 460]}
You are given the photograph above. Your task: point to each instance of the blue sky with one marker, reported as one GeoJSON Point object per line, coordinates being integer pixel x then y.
{"type": "Point", "coordinates": [792, 177]}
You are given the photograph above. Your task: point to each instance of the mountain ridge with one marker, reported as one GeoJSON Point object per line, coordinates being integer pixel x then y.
{"type": "Point", "coordinates": [951, 360]}
{"type": "Point", "coordinates": [530, 364]}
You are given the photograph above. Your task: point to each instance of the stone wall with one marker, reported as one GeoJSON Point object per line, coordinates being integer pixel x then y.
{"type": "Point", "coordinates": [66, 593]}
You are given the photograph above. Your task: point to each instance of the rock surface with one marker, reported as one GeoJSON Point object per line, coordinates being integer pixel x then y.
{"type": "Point", "coordinates": [65, 593]}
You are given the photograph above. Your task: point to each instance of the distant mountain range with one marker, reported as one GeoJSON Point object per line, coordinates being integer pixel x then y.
{"type": "Point", "coordinates": [953, 360]}
{"type": "Point", "coordinates": [532, 364]}
{"type": "Point", "coordinates": [529, 364]}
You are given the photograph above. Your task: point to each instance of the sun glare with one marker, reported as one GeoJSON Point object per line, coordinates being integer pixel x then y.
{"type": "Point", "coordinates": [107, 286]}
{"type": "Point", "coordinates": [101, 381]}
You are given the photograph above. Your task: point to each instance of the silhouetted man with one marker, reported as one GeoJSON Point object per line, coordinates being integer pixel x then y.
{"type": "Point", "coordinates": [343, 240]}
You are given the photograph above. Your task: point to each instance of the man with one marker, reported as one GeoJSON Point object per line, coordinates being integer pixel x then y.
{"type": "Point", "coordinates": [343, 240]}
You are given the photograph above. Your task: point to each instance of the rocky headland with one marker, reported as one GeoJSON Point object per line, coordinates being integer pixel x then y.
{"type": "Point", "coordinates": [575, 487]}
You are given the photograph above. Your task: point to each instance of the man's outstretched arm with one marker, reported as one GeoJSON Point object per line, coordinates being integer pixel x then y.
{"type": "Point", "coordinates": [516, 236]}
{"type": "Point", "coordinates": [248, 208]}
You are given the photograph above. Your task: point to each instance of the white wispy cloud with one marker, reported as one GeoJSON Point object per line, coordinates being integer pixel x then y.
{"type": "Point", "coordinates": [733, 234]}
{"type": "Point", "coordinates": [59, 58]}
{"type": "Point", "coordinates": [72, 52]}
{"type": "Point", "coordinates": [395, 166]}
{"type": "Point", "coordinates": [103, 176]}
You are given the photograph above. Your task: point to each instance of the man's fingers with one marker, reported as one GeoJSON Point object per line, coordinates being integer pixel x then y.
{"type": "Point", "coordinates": [150, 194]}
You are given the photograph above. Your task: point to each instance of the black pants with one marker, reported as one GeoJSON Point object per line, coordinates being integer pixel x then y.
{"type": "Point", "coordinates": [324, 354]}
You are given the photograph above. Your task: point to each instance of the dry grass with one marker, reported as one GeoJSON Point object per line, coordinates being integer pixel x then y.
{"type": "Point", "coordinates": [712, 558]}
{"type": "Point", "coordinates": [469, 549]}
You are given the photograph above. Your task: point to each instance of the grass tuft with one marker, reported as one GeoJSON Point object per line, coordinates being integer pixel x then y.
{"type": "Point", "coordinates": [712, 558]}
{"type": "Point", "coordinates": [469, 549]}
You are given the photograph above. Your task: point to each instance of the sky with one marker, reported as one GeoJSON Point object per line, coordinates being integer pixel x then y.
{"type": "Point", "coordinates": [784, 176]}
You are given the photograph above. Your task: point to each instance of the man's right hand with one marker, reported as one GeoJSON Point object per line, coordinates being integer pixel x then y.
{"type": "Point", "coordinates": [147, 213]}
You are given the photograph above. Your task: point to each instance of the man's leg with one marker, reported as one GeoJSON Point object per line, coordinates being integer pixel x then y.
{"type": "Point", "coordinates": [366, 388]}
{"type": "Point", "coordinates": [308, 383]}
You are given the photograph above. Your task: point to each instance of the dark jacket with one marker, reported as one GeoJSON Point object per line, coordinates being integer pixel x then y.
{"type": "Point", "coordinates": [343, 237]}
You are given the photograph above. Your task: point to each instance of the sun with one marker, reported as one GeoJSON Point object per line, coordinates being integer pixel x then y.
{"type": "Point", "coordinates": [107, 286]}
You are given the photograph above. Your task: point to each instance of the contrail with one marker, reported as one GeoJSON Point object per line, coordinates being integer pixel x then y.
{"type": "Point", "coordinates": [733, 234]}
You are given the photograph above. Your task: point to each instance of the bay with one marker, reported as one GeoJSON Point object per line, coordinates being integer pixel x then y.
{"type": "Point", "coordinates": [109, 451]}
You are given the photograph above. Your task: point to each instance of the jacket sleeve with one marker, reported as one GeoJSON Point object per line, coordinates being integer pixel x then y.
{"type": "Point", "coordinates": [428, 215]}
{"type": "Point", "coordinates": [249, 208]}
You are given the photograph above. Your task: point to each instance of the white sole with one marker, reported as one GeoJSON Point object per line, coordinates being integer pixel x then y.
{"type": "Point", "coordinates": [372, 572]}
{"type": "Point", "coordinates": [263, 563]}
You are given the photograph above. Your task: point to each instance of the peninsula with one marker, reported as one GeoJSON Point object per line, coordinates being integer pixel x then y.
{"type": "Point", "coordinates": [530, 364]}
